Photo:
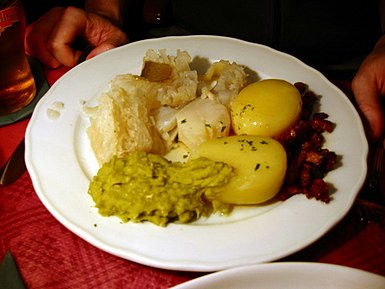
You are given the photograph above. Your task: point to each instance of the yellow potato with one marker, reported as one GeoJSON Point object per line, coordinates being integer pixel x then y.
{"type": "Point", "coordinates": [259, 163]}
{"type": "Point", "coordinates": [267, 107]}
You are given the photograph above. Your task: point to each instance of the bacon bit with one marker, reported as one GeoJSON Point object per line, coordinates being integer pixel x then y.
{"type": "Point", "coordinates": [305, 175]}
{"type": "Point", "coordinates": [308, 162]}
{"type": "Point", "coordinates": [320, 190]}
{"type": "Point", "coordinates": [313, 157]}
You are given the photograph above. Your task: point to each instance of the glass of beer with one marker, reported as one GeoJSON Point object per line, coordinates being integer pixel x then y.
{"type": "Point", "coordinates": [17, 85]}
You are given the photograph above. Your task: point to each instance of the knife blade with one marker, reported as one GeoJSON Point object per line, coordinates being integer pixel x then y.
{"type": "Point", "coordinates": [14, 167]}
{"type": "Point", "coordinates": [9, 273]}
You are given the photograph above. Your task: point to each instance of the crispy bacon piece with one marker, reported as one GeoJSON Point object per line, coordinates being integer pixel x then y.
{"type": "Point", "coordinates": [320, 124]}
{"type": "Point", "coordinates": [308, 161]}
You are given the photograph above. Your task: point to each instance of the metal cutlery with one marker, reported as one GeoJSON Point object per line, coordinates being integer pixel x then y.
{"type": "Point", "coordinates": [14, 167]}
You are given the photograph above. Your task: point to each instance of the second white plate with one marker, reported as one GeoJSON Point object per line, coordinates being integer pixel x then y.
{"type": "Point", "coordinates": [288, 276]}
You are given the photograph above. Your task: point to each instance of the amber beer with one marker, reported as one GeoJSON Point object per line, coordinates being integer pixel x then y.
{"type": "Point", "coordinates": [17, 85]}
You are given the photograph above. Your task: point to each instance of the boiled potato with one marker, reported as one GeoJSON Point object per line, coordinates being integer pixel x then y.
{"type": "Point", "coordinates": [259, 164]}
{"type": "Point", "coordinates": [267, 108]}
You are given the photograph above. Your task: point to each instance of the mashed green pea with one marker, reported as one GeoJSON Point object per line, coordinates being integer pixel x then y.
{"type": "Point", "coordinates": [147, 187]}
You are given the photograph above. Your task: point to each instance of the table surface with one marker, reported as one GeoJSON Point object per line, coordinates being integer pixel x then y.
{"type": "Point", "coordinates": [50, 256]}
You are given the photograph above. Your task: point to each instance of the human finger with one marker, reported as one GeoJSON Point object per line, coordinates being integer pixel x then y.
{"type": "Point", "coordinates": [100, 49]}
{"type": "Point", "coordinates": [368, 98]}
{"type": "Point", "coordinates": [102, 34]}
{"type": "Point", "coordinates": [37, 35]}
{"type": "Point", "coordinates": [105, 46]}
{"type": "Point", "coordinates": [62, 38]}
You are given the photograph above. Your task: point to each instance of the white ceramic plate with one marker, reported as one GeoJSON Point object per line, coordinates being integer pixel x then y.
{"type": "Point", "coordinates": [61, 164]}
{"type": "Point", "coordinates": [288, 276]}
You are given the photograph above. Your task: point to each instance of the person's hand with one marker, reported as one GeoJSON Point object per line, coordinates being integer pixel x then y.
{"type": "Point", "coordinates": [369, 88]}
{"type": "Point", "coordinates": [52, 37]}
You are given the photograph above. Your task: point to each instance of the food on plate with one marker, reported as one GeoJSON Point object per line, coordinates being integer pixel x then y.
{"type": "Point", "coordinates": [223, 80]}
{"type": "Point", "coordinates": [174, 144]}
{"type": "Point", "coordinates": [138, 113]}
{"type": "Point", "coordinates": [267, 107]}
{"type": "Point", "coordinates": [308, 161]}
{"type": "Point", "coordinates": [157, 72]}
{"type": "Point", "coordinates": [122, 123]}
{"type": "Point", "coordinates": [147, 187]}
{"type": "Point", "coordinates": [202, 119]}
{"type": "Point", "coordinates": [259, 167]}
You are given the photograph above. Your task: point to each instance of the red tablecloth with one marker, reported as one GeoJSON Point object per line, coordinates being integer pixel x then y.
{"type": "Point", "coordinates": [50, 256]}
